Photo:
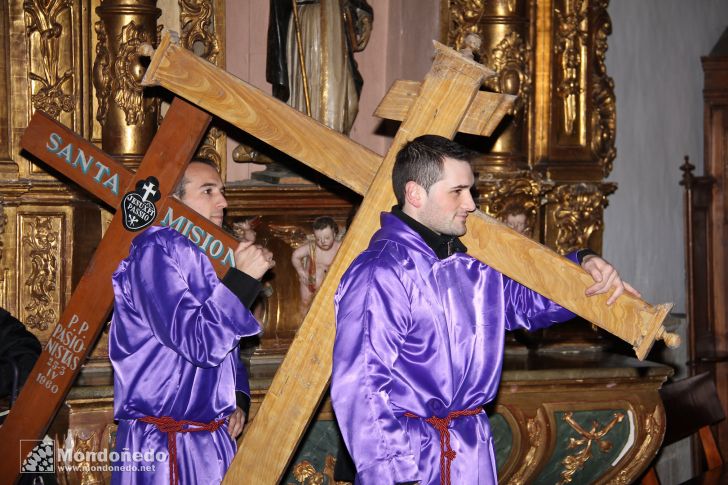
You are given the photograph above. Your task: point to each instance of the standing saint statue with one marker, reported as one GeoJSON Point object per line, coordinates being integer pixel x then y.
{"type": "Point", "coordinates": [310, 56]}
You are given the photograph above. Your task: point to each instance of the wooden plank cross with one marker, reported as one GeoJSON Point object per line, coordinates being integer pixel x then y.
{"type": "Point", "coordinates": [132, 195]}
{"type": "Point", "coordinates": [446, 101]}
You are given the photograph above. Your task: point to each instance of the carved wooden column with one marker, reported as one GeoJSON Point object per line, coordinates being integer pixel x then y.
{"type": "Point", "coordinates": [574, 119]}
{"type": "Point", "coordinates": [3, 268]}
{"type": "Point", "coordinates": [507, 188]}
{"type": "Point", "coordinates": [46, 228]}
{"type": "Point", "coordinates": [127, 113]}
{"type": "Point", "coordinates": [201, 30]}
{"type": "Point", "coordinates": [715, 94]}
{"type": "Point", "coordinates": [503, 27]}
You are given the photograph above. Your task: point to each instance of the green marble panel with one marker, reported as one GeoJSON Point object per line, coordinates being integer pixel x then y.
{"type": "Point", "coordinates": [502, 438]}
{"type": "Point", "coordinates": [601, 457]}
{"type": "Point", "coordinates": [321, 439]}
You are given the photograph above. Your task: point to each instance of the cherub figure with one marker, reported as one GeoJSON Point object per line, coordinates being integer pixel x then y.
{"type": "Point", "coordinates": [515, 216]}
{"type": "Point", "coordinates": [312, 260]}
{"type": "Point", "coordinates": [245, 229]}
{"type": "Point", "coordinates": [471, 46]}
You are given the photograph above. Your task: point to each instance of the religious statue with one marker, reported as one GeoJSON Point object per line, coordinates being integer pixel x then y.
{"type": "Point", "coordinates": [310, 59]}
{"type": "Point", "coordinates": [471, 46]}
{"type": "Point", "coordinates": [312, 260]}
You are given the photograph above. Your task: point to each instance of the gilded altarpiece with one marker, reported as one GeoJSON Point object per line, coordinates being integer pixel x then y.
{"type": "Point", "coordinates": [549, 160]}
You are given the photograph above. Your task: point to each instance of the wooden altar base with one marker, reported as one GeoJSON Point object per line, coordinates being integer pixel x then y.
{"type": "Point", "coordinates": [603, 402]}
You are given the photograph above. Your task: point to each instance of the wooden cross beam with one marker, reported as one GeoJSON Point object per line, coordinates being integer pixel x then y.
{"type": "Point", "coordinates": [446, 101]}
{"type": "Point", "coordinates": [92, 300]}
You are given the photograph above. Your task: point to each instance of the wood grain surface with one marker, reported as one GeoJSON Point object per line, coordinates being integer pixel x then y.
{"type": "Point", "coordinates": [483, 116]}
{"type": "Point", "coordinates": [262, 116]}
{"type": "Point", "coordinates": [559, 279]}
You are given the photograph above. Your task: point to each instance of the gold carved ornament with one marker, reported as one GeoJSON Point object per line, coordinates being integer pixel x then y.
{"type": "Point", "coordinates": [76, 444]}
{"type": "Point", "coordinates": [305, 473]}
{"type": "Point", "coordinates": [208, 148]}
{"type": "Point", "coordinates": [536, 439]}
{"type": "Point", "coordinates": [42, 16]}
{"type": "Point", "coordinates": [196, 24]}
{"type": "Point", "coordinates": [574, 463]}
{"type": "Point", "coordinates": [128, 73]}
{"type": "Point", "coordinates": [604, 114]}
{"type": "Point", "coordinates": [510, 198]}
{"type": "Point", "coordinates": [654, 425]}
{"type": "Point", "coordinates": [578, 213]}
{"type": "Point", "coordinates": [42, 243]}
{"type": "Point", "coordinates": [511, 59]}
{"type": "Point", "coordinates": [571, 36]}
{"type": "Point", "coordinates": [87, 446]}
{"type": "Point", "coordinates": [101, 75]}
{"type": "Point", "coordinates": [464, 18]}
{"type": "Point", "coordinates": [198, 35]}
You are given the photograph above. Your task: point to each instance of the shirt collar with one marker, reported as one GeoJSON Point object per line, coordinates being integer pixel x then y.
{"type": "Point", "coordinates": [442, 245]}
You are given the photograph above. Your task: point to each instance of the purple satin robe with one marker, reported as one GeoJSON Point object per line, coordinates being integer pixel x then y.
{"type": "Point", "coordinates": [422, 335]}
{"type": "Point", "coordinates": [173, 343]}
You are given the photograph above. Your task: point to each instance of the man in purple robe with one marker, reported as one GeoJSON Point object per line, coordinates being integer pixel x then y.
{"type": "Point", "coordinates": [181, 393]}
{"type": "Point", "coordinates": [420, 329]}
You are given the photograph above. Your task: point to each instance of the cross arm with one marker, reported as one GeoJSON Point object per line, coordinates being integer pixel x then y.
{"type": "Point", "coordinates": [555, 277]}
{"type": "Point", "coordinates": [264, 117]}
{"type": "Point", "coordinates": [77, 159]}
{"type": "Point", "coordinates": [88, 166]}
{"type": "Point", "coordinates": [482, 117]}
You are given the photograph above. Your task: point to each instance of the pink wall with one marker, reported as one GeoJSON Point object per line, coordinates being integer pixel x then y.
{"type": "Point", "coordinates": [400, 48]}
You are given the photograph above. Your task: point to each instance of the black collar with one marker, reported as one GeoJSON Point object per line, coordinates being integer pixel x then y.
{"type": "Point", "coordinates": [442, 245]}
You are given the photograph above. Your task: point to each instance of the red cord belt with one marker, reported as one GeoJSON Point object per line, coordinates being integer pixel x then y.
{"type": "Point", "coordinates": [168, 425]}
{"type": "Point", "coordinates": [447, 454]}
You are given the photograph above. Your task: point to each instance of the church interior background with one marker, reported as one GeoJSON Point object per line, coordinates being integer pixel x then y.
{"type": "Point", "coordinates": [610, 100]}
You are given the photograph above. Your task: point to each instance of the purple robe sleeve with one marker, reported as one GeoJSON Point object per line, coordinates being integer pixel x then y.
{"type": "Point", "coordinates": [526, 309]}
{"type": "Point", "coordinates": [373, 317]}
{"type": "Point", "coordinates": [201, 323]}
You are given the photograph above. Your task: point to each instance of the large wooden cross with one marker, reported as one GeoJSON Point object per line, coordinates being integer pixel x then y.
{"type": "Point", "coordinates": [446, 101]}
{"type": "Point", "coordinates": [140, 200]}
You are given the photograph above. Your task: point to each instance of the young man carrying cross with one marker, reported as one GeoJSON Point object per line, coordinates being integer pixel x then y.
{"type": "Point", "coordinates": [420, 330]}
{"type": "Point", "coordinates": [180, 390]}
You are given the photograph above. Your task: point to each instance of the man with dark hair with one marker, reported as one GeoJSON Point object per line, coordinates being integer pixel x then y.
{"type": "Point", "coordinates": [420, 328]}
{"type": "Point", "coordinates": [180, 390]}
